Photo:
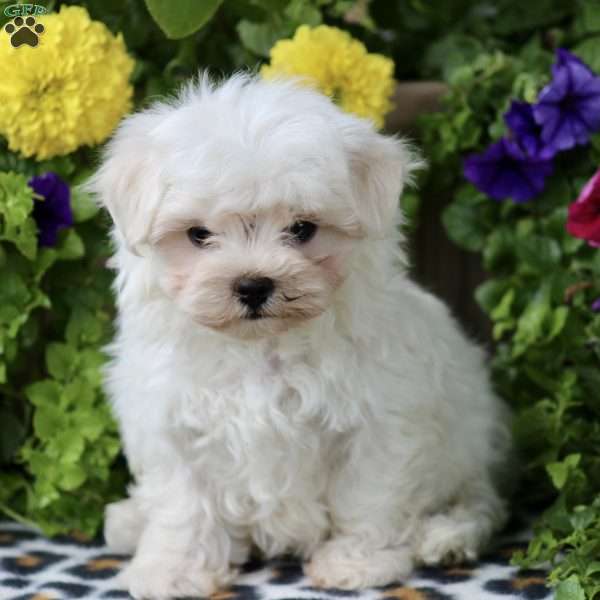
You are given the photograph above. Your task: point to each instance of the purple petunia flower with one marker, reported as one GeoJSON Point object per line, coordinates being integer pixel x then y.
{"type": "Point", "coordinates": [54, 211]}
{"type": "Point", "coordinates": [596, 305]}
{"type": "Point", "coordinates": [568, 108]}
{"type": "Point", "coordinates": [504, 170]}
{"type": "Point", "coordinates": [527, 133]}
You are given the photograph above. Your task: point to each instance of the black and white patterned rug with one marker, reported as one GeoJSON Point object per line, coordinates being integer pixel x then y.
{"type": "Point", "coordinates": [33, 567]}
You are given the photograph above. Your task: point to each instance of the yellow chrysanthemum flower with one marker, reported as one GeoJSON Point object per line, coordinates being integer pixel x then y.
{"type": "Point", "coordinates": [339, 66]}
{"type": "Point", "coordinates": [69, 90]}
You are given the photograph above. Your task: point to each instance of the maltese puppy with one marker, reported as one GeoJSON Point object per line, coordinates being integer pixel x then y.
{"type": "Point", "coordinates": [279, 381]}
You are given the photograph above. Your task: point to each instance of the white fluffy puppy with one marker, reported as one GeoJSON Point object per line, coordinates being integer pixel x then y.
{"type": "Point", "coordinates": [278, 379]}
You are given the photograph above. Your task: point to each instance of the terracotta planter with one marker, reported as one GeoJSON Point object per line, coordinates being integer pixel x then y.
{"type": "Point", "coordinates": [411, 99]}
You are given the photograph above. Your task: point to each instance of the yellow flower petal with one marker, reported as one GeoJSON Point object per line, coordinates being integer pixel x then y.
{"type": "Point", "coordinates": [70, 90]}
{"type": "Point", "coordinates": [330, 60]}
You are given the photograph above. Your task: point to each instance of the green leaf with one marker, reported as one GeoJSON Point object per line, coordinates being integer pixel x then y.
{"type": "Point", "coordinates": [12, 433]}
{"type": "Point", "coordinates": [72, 476]}
{"type": "Point", "coordinates": [499, 249]}
{"type": "Point", "coordinates": [63, 166]}
{"type": "Point", "coordinates": [592, 568]}
{"type": "Point", "coordinates": [530, 326]}
{"type": "Point", "coordinates": [582, 518]}
{"type": "Point", "coordinates": [83, 206]}
{"type": "Point", "coordinates": [260, 37]}
{"type": "Point", "coordinates": [16, 199]}
{"type": "Point", "coordinates": [48, 421]}
{"type": "Point", "coordinates": [61, 360]}
{"type": "Point", "coordinates": [558, 322]}
{"type": "Point", "coordinates": [451, 52]}
{"type": "Point", "coordinates": [71, 246]}
{"type": "Point", "coordinates": [89, 424]}
{"type": "Point", "coordinates": [70, 446]}
{"type": "Point", "coordinates": [43, 392]}
{"type": "Point", "coordinates": [589, 52]}
{"type": "Point", "coordinates": [91, 361]}
{"type": "Point", "coordinates": [502, 327]}
{"type": "Point", "coordinates": [570, 589]}
{"type": "Point", "coordinates": [503, 308]}
{"type": "Point", "coordinates": [14, 292]}
{"type": "Point", "coordinates": [514, 17]}
{"type": "Point", "coordinates": [559, 471]}
{"type": "Point", "coordinates": [78, 394]}
{"type": "Point", "coordinates": [489, 293]}
{"type": "Point", "coordinates": [180, 18]}
{"type": "Point", "coordinates": [301, 12]}
{"type": "Point", "coordinates": [83, 327]}
{"type": "Point", "coordinates": [46, 258]}
{"type": "Point", "coordinates": [538, 253]}
{"type": "Point", "coordinates": [463, 224]}
{"type": "Point", "coordinates": [26, 239]}
{"type": "Point", "coordinates": [589, 17]}
{"type": "Point", "coordinates": [16, 205]}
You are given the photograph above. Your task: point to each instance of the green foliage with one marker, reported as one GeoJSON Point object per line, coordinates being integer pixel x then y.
{"type": "Point", "coordinates": [180, 18]}
{"type": "Point", "coordinates": [541, 281]}
{"type": "Point", "coordinates": [262, 22]}
{"type": "Point", "coordinates": [16, 203]}
{"type": "Point", "coordinates": [55, 312]}
{"type": "Point", "coordinates": [258, 32]}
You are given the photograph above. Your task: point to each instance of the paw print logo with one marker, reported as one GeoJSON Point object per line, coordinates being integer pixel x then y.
{"type": "Point", "coordinates": [24, 31]}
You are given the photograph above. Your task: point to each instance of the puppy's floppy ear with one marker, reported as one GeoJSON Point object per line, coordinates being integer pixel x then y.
{"type": "Point", "coordinates": [129, 183]}
{"type": "Point", "coordinates": [380, 166]}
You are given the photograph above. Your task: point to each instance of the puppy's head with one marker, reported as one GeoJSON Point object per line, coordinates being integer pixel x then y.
{"type": "Point", "coordinates": [249, 198]}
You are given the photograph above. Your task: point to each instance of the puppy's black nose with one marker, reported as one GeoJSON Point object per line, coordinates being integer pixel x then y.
{"type": "Point", "coordinates": [254, 291]}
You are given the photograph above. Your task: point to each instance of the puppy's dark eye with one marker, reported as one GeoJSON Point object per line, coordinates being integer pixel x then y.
{"type": "Point", "coordinates": [198, 235]}
{"type": "Point", "coordinates": [302, 231]}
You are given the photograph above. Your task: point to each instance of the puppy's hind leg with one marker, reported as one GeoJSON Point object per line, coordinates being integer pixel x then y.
{"type": "Point", "coordinates": [460, 533]}
{"type": "Point", "coordinates": [123, 526]}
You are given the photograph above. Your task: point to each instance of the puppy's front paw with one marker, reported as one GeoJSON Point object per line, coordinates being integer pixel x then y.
{"type": "Point", "coordinates": [163, 580]}
{"type": "Point", "coordinates": [448, 541]}
{"type": "Point", "coordinates": [346, 564]}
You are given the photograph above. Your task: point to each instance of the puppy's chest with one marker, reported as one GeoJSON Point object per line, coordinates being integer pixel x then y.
{"type": "Point", "coordinates": [242, 410]}
{"type": "Point", "coordinates": [257, 439]}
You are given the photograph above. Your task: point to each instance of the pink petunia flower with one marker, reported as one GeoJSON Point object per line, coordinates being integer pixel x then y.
{"type": "Point", "coordinates": [584, 214]}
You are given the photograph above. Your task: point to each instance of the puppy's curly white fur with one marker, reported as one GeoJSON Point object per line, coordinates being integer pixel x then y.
{"type": "Point", "coordinates": [278, 379]}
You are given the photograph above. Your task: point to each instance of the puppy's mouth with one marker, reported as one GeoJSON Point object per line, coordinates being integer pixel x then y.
{"type": "Point", "coordinates": [291, 298]}
{"type": "Point", "coordinates": [255, 315]}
